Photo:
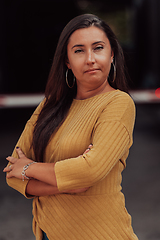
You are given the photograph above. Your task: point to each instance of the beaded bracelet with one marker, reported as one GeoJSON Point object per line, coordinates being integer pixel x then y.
{"type": "Point", "coordinates": [24, 169]}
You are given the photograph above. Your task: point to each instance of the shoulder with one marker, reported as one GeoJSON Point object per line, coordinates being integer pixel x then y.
{"type": "Point", "coordinates": [118, 101]}
{"type": "Point", "coordinates": [116, 96]}
{"type": "Point", "coordinates": [124, 110]}
{"type": "Point", "coordinates": [124, 102]}
{"type": "Point", "coordinates": [36, 113]}
{"type": "Point", "coordinates": [119, 107]}
{"type": "Point", "coordinates": [122, 97]}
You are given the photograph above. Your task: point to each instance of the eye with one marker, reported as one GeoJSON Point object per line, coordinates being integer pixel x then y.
{"type": "Point", "coordinates": [98, 48]}
{"type": "Point", "coordinates": [78, 50]}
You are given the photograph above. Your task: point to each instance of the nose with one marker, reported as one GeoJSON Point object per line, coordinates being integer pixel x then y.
{"type": "Point", "coordinates": [90, 58]}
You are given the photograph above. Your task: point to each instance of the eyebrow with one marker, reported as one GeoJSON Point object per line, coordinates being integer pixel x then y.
{"type": "Point", "coordinates": [81, 45]}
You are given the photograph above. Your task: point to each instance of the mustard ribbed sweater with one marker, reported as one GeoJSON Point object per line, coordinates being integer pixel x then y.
{"type": "Point", "coordinates": [106, 121]}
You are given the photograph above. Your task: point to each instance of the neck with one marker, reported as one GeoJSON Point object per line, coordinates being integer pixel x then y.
{"type": "Point", "coordinates": [83, 93]}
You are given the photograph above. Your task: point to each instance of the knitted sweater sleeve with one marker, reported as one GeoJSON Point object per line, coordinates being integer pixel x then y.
{"type": "Point", "coordinates": [111, 139]}
{"type": "Point", "coordinates": [25, 143]}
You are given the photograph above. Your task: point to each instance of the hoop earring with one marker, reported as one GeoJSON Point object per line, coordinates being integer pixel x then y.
{"type": "Point", "coordinates": [74, 79]}
{"type": "Point", "coordinates": [114, 74]}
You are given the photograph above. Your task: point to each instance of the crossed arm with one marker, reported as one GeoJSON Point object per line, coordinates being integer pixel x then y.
{"type": "Point", "coordinates": [42, 175]}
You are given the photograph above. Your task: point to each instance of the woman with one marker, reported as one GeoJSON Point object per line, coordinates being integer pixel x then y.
{"type": "Point", "coordinates": [77, 192]}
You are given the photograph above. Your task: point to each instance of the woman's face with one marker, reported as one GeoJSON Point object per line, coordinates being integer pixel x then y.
{"type": "Point", "coordinates": [89, 57]}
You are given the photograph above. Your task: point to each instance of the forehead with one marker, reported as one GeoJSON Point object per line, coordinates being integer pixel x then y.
{"type": "Point", "coordinates": [88, 35]}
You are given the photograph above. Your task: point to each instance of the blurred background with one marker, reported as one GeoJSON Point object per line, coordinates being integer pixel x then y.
{"type": "Point", "coordinates": [29, 33]}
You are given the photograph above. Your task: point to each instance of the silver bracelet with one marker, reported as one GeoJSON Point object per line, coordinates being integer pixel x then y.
{"type": "Point", "coordinates": [24, 169]}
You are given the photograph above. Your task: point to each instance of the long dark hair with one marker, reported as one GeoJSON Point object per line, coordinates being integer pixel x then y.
{"type": "Point", "coordinates": [58, 96]}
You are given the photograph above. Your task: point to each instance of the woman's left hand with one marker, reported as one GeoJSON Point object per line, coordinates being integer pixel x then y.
{"type": "Point", "coordinates": [15, 168]}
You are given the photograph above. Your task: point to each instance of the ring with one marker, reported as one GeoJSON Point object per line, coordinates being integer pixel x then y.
{"type": "Point", "coordinates": [10, 167]}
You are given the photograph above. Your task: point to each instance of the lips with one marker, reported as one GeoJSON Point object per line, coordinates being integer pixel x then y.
{"type": "Point", "coordinates": [92, 70]}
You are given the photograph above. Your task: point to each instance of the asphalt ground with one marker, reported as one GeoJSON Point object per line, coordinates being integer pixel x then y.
{"type": "Point", "coordinates": [141, 178]}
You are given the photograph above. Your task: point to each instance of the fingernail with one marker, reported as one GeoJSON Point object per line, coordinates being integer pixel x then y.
{"type": "Point", "coordinates": [17, 147]}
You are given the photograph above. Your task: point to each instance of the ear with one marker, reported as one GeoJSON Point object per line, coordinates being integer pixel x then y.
{"type": "Point", "coordinates": [112, 55]}
{"type": "Point", "coordinates": [67, 63]}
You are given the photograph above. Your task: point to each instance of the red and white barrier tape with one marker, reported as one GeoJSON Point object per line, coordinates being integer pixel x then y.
{"type": "Point", "coordinates": [25, 100]}
{"type": "Point", "coordinates": [32, 100]}
{"type": "Point", "coordinates": [146, 96]}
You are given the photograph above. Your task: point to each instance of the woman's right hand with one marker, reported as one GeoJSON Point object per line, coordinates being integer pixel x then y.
{"type": "Point", "coordinates": [87, 150]}
{"type": "Point", "coordinates": [40, 188]}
